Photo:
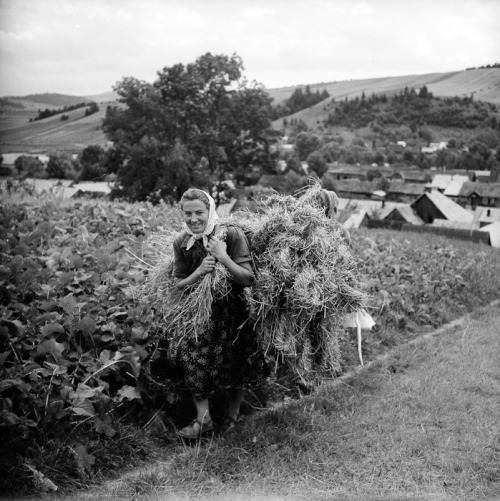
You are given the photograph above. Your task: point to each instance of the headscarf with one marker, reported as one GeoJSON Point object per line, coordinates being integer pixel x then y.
{"type": "Point", "coordinates": [330, 202]}
{"type": "Point", "coordinates": [209, 228]}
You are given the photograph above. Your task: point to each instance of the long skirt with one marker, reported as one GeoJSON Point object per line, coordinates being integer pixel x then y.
{"type": "Point", "coordinates": [226, 356]}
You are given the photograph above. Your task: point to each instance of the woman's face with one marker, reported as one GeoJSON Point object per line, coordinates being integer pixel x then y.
{"type": "Point", "coordinates": [195, 215]}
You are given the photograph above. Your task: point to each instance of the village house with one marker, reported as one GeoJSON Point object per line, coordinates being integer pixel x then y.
{"type": "Point", "coordinates": [354, 188]}
{"type": "Point", "coordinates": [402, 213]}
{"type": "Point", "coordinates": [480, 194]}
{"type": "Point", "coordinates": [435, 205]}
{"type": "Point", "coordinates": [362, 173]}
{"type": "Point", "coordinates": [454, 187]}
{"type": "Point", "coordinates": [487, 215]}
{"type": "Point", "coordinates": [483, 176]}
{"type": "Point", "coordinates": [415, 176]}
{"type": "Point", "coordinates": [440, 182]}
{"type": "Point", "coordinates": [400, 191]}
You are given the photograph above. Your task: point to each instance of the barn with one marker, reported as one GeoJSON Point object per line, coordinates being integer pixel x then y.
{"type": "Point", "coordinates": [435, 205]}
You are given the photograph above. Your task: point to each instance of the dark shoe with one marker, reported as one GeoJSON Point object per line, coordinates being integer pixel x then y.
{"type": "Point", "coordinates": [196, 429]}
{"type": "Point", "coordinates": [228, 425]}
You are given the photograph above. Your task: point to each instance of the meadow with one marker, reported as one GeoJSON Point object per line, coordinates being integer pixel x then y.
{"type": "Point", "coordinates": [77, 338]}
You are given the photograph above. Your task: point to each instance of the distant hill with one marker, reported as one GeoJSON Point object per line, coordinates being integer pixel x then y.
{"type": "Point", "coordinates": [483, 83]}
{"type": "Point", "coordinates": [18, 134]}
{"type": "Point", "coordinates": [51, 99]}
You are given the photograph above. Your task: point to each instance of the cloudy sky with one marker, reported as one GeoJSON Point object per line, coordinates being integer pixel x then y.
{"type": "Point", "coordinates": [83, 47]}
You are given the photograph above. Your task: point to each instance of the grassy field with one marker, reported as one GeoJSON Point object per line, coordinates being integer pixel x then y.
{"type": "Point", "coordinates": [421, 423]}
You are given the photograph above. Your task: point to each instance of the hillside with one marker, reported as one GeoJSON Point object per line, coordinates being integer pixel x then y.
{"type": "Point", "coordinates": [484, 84]}
{"type": "Point", "coordinates": [18, 134]}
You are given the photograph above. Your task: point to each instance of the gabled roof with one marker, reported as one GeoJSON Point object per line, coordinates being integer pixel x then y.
{"type": "Point", "coordinates": [399, 186]}
{"type": "Point", "coordinates": [407, 213]}
{"type": "Point", "coordinates": [447, 207]}
{"type": "Point", "coordinates": [455, 185]}
{"type": "Point", "coordinates": [494, 230]}
{"type": "Point", "coordinates": [355, 220]}
{"type": "Point", "coordinates": [441, 181]}
{"type": "Point", "coordinates": [488, 215]}
{"type": "Point", "coordinates": [490, 190]}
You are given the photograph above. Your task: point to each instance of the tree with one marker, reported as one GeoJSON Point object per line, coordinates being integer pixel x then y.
{"type": "Point", "coordinates": [306, 143]}
{"type": "Point", "coordinates": [93, 154]}
{"type": "Point", "coordinates": [29, 166]}
{"type": "Point", "coordinates": [317, 163]}
{"type": "Point", "coordinates": [293, 164]}
{"type": "Point", "coordinates": [61, 166]}
{"type": "Point", "coordinates": [203, 118]}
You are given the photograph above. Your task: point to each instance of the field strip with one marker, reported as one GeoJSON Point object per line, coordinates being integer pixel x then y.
{"type": "Point", "coordinates": [332, 383]}
{"type": "Point", "coordinates": [115, 486]}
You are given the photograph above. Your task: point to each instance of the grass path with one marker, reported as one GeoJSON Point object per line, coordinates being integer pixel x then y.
{"type": "Point", "coordinates": [422, 423]}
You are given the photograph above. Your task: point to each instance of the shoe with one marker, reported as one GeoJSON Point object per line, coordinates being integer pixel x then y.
{"type": "Point", "coordinates": [196, 429]}
{"type": "Point", "coordinates": [228, 425]}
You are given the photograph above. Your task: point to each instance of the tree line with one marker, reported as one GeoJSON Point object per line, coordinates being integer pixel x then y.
{"type": "Point", "coordinates": [92, 107]}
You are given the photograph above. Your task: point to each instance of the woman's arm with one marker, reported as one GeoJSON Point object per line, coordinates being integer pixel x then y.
{"type": "Point", "coordinates": [242, 273]}
{"type": "Point", "coordinates": [206, 266]}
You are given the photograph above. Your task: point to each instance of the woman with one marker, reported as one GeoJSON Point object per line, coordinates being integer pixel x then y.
{"type": "Point", "coordinates": [226, 356]}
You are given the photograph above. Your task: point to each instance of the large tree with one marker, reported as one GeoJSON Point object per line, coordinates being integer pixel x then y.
{"type": "Point", "coordinates": [191, 127]}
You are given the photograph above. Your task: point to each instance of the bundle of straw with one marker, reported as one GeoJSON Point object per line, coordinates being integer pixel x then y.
{"type": "Point", "coordinates": [188, 312]}
{"type": "Point", "coordinates": [306, 284]}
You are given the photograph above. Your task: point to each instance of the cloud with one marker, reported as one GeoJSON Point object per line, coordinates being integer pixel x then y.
{"type": "Point", "coordinates": [91, 44]}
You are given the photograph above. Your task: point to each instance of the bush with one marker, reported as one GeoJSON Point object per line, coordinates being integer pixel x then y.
{"type": "Point", "coordinates": [29, 166]}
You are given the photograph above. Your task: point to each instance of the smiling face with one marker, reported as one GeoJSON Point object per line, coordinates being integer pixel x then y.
{"type": "Point", "coordinates": [195, 215]}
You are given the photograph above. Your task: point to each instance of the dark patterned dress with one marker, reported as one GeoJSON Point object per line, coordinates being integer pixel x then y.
{"type": "Point", "coordinates": [227, 355]}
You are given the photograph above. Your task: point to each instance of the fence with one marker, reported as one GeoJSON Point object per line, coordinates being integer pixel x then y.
{"type": "Point", "coordinates": [473, 235]}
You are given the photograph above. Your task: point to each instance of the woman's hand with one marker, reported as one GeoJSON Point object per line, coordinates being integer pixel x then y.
{"type": "Point", "coordinates": [206, 266]}
{"type": "Point", "coordinates": [217, 249]}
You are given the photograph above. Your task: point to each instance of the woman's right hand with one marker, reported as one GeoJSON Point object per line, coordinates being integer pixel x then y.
{"type": "Point", "coordinates": [206, 266]}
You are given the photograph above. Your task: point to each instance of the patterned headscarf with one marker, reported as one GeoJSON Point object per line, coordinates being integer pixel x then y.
{"type": "Point", "coordinates": [211, 223]}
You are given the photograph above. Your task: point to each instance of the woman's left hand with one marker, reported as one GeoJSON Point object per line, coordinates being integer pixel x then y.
{"type": "Point", "coordinates": [217, 248]}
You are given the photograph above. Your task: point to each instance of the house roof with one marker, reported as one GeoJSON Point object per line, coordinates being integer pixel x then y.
{"type": "Point", "coordinates": [494, 230]}
{"type": "Point", "coordinates": [490, 190]}
{"type": "Point", "coordinates": [407, 213]}
{"type": "Point", "coordinates": [356, 219]}
{"type": "Point", "coordinates": [415, 175]}
{"type": "Point", "coordinates": [447, 207]}
{"type": "Point", "coordinates": [488, 215]}
{"type": "Point", "coordinates": [455, 185]}
{"type": "Point", "coordinates": [356, 186]}
{"type": "Point", "coordinates": [441, 181]}
{"type": "Point", "coordinates": [399, 186]}
{"type": "Point", "coordinates": [461, 172]}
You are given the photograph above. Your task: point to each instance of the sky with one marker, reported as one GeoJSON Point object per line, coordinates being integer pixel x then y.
{"type": "Point", "coordinates": [84, 47]}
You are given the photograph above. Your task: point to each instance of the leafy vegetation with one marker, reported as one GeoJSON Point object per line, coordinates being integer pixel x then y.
{"type": "Point", "coordinates": [77, 343]}
{"type": "Point", "coordinates": [299, 100]}
{"type": "Point", "coordinates": [412, 107]}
